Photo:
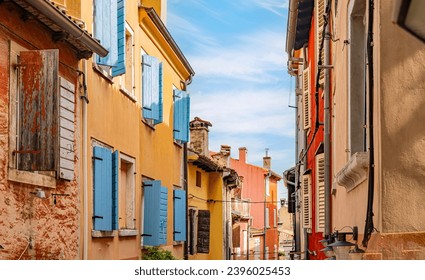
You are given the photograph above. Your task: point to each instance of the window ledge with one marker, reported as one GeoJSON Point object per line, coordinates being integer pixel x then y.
{"type": "Point", "coordinates": [178, 143]}
{"type": "Point", "coordinates": [103, 233]}
{"type": "Point", "coordinates": [128, 94]}
{"type": "Point", "coordinates": [103, 73]}
{"type": "Point", "coordinates": [128, 232]}
{"type": "Point", "coordinates": [31, 178]}
{"type": "Point", "coordinates": [148, 124]}
{"type": "Point", "coordinates": [354, 172]}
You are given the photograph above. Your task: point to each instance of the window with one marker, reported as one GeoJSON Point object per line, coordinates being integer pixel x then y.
{"type": "Point", "coordinates": [306, 98]}
{"type": "Point", "coordinates": [203, 235]}
{"type": "Point", "coordinates": [105, 189]}
{"type": "Point", "coordinates": [126, 194]}
{"type": "Point", "coordinates": [179, 215]}
{"type": "Point", "coordinates": [306, 200]}
{"type": "Point", "coordinates": [109, 28]}
{"type": "Point", "coordinates": [192, 228]}
{"type": "Point", "coordinates": [320, 24]}
{"type": "Point", "coordinates": [274, 217]}
{"type": "Point", "coordinates": [267, 186]}
{"type": "Point", "coordinates": [152, 89]}
{"type": "Point", "coordinates": [127, 65]}
{"type": "Point", "coordinates": [41, 130]}
{"type": "Point", "coordinates": [181, 115]}
{"type": "Point", "coordinates": [357, 76]}
{"type": "Point", "coordinates": [267, 217]}
{"type": "Point", "coordinates": [320, 193]}
{"type": "Point", "coordinates": [155, 199]}
{"type": "Point", "coordinates": [198, 179]}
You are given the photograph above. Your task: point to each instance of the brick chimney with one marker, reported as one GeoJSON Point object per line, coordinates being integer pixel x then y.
{"type": "Point", "coordinates": [199, 136]}
{"type": "Point", "coordinates": [243, 153]}
{"type": "Point", "coordinates": [267, 161]}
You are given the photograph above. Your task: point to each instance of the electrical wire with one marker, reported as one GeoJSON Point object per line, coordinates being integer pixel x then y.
{"type": "Point", "coordinates": [217, 200]}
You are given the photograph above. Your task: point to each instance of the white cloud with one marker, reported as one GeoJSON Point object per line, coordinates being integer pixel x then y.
{"type": "Point", "coordinates": [250, 58]}
{"type": "Point", "coordinates": [246, 111]}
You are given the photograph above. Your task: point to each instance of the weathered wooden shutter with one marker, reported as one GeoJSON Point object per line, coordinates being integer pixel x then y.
{"type": "Point", "coordinates": [192, 231]}
{"type": "Point", "coordinates": [114, 194]}
{"type": "Point", "coordinates": [320, 193]}
{"type": "Point", "coordinates": [203, 245]}
{"type": "Point", "coordinates": [179, 215]}
{"type": "Point", "coordinates": [320, 24]}
{"type": "Point", "coordinates": [152, 88]}
{"type": "Point", "coordinates": [67, 130]}
{"type": "Point", "coordinates": [105, 29]}
{"type": "Point", "coordinates": [119, 67]}
{"type": "Point", "coordinates": [181, 115]}
{"type": "Point", "coordinates": [155, 213]}
{"type": "Point", "coordinates": [306, 195]}
{"type": "Point", "coordinates": [306, 98]}
{"type": "Point", "coordinates": [102, 188]}
{"type": "Point", "coordinates": [236, 236]}
{"type": "Point", "coordinates": [38, 115]}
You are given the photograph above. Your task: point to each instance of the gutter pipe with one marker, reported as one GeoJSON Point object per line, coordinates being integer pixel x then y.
{"type": "Point", "coordinates": [50, 11]}
{"type": "Point", "coordinates": [290, 34]}
{"type": "Point", "coordinates": [327, 132]}
{"type": "Point", "coordinates": [369, 227]}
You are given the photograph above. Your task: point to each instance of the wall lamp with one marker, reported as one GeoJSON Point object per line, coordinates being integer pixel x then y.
{"type": "Point", "coordinates": [338, 248]}
{"type": "Point", "coordinates": [39, 193]}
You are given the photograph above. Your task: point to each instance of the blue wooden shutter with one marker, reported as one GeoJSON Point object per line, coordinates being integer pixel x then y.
{"type": "Point", "coordinates": [105, 29]}
{"type": "Point", "coordinates": [147, 86]}
{"type": "Point", "coordinates": [179, 215]}
{"type": "Point", "coordinates": [152, 88]}
{"type": "Point", "coordinates": [163, 221]}
{"type": "Point", "coordinates": [38, 114]}
{"type": "Point", "coordinates": [181, 115]}
{"type": "Point", "coordinates": [159, 117]}
{"type": "Point", "coordinates": [115, 158]}
{"type": "Point", "coordinates": [102, 188]}
{"type": "Point", "coordinates": [177, 121]}
{"type": "Point", "coordinates": [119, 68]}
{"type": "Point", "coordinates": [185, 118]}
{"type": "Point", "coordinates": [155, 213]}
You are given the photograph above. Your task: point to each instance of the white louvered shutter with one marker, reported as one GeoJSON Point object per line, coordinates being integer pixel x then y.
{"type": "Point", "coordinates": [320, 192]}
{"type": "Point", "coordinates": [306, 98]}
{"type": "Point", "coordinates": [306, 194]}
{"type": "Point", "coordinates": [320, 24]}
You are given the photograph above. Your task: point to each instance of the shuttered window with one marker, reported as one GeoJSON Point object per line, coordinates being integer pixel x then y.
{"type": "Point", "coordinates": [67, 130]}
{"type": "Point", "coordinates": [306, 98]}
{"type": "Point", "coordinates": [306, 201]}
{"type": "Point", "coordinates": [152, 99]}
{"type": "Point", "coordinates": [119, 67]}
{"type": "Point", "coordinates": [320, 193]}
{"type": "Point", "coordinates": [105, 189]}
{"type": "Point", "coordinates": [106, 30]}
{"type": "Point", "coordinates": [38, 110]}
{"type": "Point", "coordinates": [181, 115]}
{"type": "Point", "coordinates": [179, 215]}
{"type": "Point", "coordinates": [203, 244]}
{"type": "Point", "coordinates": [155, 213]}
{"type": "Point", "coordinates": [320, 25]}
{"type": "Point", "coordinates": [267, 217]}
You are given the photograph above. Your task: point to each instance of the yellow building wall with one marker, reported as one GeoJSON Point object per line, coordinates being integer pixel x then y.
{"type": "Point", "coordinates": [211, 188]}
{"type": "Point", "coordinates": [113, 119]}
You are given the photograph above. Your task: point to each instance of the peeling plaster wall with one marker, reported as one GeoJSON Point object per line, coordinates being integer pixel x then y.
{"type": "Point", "coordinates": [33, 228]}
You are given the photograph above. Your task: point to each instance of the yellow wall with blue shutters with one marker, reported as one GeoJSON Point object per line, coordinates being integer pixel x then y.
{"type": "Point", "coordinates": [114, 120]}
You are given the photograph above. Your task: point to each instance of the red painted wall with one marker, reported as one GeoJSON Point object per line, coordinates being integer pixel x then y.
{"type": "Point", "coordinates": [314, 237]}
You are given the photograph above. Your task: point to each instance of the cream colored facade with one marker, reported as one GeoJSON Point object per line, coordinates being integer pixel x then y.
{"type": "Point", "coordinates": [398, 131]}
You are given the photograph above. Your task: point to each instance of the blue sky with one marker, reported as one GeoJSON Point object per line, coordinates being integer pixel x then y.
{"type": "Point", "coordinates": [241, 85]}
